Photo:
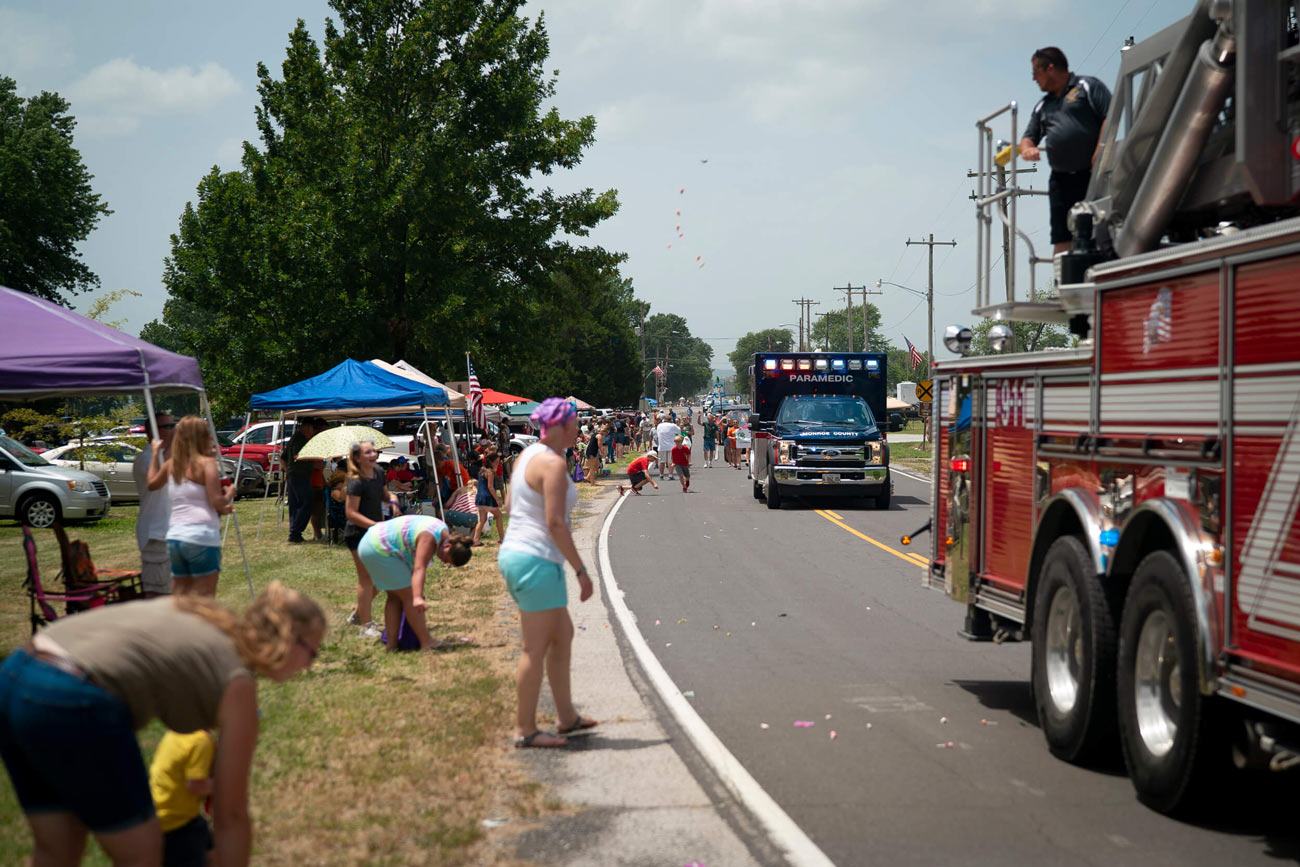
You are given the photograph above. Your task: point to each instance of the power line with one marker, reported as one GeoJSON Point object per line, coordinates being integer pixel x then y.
{"type": "Point", "coordinates": [1104, 32]}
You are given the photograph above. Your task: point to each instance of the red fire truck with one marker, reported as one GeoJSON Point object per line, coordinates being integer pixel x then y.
{"type": "Point", "coordinates": [1130, 505]}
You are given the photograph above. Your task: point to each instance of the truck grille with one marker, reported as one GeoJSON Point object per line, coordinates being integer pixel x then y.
{"type": "Point", "coordinates": [831, 456]}
{"type": "Point", "coordinates": [100, 488]}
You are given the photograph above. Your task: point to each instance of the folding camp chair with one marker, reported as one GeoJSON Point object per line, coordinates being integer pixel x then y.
{"type": "Point", "coordinates": [122, 589]}
{"type": "Point", "coordinates": [79, 574]}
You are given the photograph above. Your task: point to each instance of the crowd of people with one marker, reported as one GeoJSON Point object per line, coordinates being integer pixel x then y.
{"type": "Point", "coordinates": [72, 700]}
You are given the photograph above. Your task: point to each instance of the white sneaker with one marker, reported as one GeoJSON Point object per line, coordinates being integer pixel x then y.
{"type": "Point", "coordinates": [371, 631]}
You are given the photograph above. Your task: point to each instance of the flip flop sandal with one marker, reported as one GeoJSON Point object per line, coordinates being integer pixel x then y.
{"type": "Point", "coordinates": [580, 724]}
{"type": "Point", "coordinates": [527, 742]}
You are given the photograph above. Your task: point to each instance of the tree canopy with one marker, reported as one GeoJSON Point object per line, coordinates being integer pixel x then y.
{"type": "Point", "coordinates": [687, 360]}
{"type": "Point", "coordinates": [47, 206]}
{"type": "Point", "coordinates": [394, 207]}
{"type": "Point", "coordinates": [832, 330]}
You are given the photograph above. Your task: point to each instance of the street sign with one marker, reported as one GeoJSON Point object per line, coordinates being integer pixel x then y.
{"type": "Point", "coordinates": [925, 391]}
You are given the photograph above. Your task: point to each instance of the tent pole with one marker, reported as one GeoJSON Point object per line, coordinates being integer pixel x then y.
{"type": "Point", "coordinates": [206, 412]}
{"type": "Point", "coordinates": [433, 459]}
{"type": "Point", "coordinates": [239, 465]}
{"type": "Point", "coordinates": [275, 435]}
{"type": "Point", "coordinates": [455, 453]}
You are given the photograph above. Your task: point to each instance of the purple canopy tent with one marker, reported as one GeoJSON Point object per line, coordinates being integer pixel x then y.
{"type": "Point", "coordinates": [47, 351]}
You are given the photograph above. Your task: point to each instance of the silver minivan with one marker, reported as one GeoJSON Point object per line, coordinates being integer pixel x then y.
{"type": "Point", "coordinates": [38, 493]}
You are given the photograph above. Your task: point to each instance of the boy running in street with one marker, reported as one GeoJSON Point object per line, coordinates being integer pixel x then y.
{"type": "Point", "coordinates": [638, 473]}
{"type": "Point", "coordinates": [681, 456]}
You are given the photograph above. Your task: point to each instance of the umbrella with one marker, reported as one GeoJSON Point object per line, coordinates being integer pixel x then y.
{"type": "Point", "coordinates": [338, 441]}
{"type": "Point", "coordinates": [579, 403]}
{"type": "Point", "coordinates": [491, 397]}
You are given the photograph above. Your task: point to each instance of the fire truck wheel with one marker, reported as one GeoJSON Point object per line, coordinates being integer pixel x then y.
{"type": "Point", "coordinates": [773, 492]}
{"type": "Point", "coordinates": [1073, 654]}
{"type": "Point", "coordinates": [1167, 728]}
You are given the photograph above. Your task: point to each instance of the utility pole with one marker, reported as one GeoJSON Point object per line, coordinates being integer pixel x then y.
{"type": "Point", "coordinates": [929, 295]}
{"type": "Point", "coordinates": [826, 333]}
{"type": "Point", "coordinates": [850, 290]}
{"type": "Point", "coordinates": [805, 319]}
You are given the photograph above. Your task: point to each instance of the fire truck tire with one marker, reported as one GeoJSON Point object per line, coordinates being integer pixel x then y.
{"type": "Point", "coordinates": [1073, 654]}
{"type": "Point", "coordinates": [1169, 732]}
{"type": "Point", "coordinates": [773, 492]}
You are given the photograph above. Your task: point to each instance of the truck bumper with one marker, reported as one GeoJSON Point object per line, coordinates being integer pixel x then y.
{"type": "Point", "coordinates": [868, 479]}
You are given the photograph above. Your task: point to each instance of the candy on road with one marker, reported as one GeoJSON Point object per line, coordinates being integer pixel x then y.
{"type": "Point", "coordinates": [763, 726]}
{"type": "Point", "coordinates": [656, 623]}
{"type": "Point", "coordinates": [804, 724]}
{"type": "Point", "coordinates": [828, 716]}
{"type": "Point", "coordinates": [833, 735]}
{"type": "Point", "coordinates": [690, 693]}
{"type": "Point", "coordinates": [868, 725]}
{"type": "Point", "coordinates": [943, 720]}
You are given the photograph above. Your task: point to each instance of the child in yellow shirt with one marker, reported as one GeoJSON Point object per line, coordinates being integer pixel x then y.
{"type": "Point", "coordinates": [180, 777]}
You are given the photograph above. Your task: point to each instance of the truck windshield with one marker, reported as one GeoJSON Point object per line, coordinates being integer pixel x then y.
{"type": "Point", "coordinates": [21, 453]}
{"type": "Point", "coordinates": [847, 411]}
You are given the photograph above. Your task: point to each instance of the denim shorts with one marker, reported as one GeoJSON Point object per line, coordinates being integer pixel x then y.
{"type": "Point", "coordinates": [70, 747]}
{"type": "Point", "coordinates": [535, 583]}
{"type": "Point", "coordinates": [190, 560]}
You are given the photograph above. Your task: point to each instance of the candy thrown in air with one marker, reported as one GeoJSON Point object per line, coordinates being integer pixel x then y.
{"type": "Point", "coordinates": [670, 246]}
{"type": "Point", "coordinates": [682, 190]}
{"type": "Point", "coordinates": [679, 212]}
{"type": "Point", "coordinates": [705, 160]}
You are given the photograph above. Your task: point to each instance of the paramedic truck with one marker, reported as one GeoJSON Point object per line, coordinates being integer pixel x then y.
{"type": "Point", "coordinates": [818, 426]}
{"type": "Point", "coordinates": [1130, 505]}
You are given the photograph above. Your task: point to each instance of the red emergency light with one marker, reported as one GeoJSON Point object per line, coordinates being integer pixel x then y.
{"type": "Point", "coordinates": [959, 465]}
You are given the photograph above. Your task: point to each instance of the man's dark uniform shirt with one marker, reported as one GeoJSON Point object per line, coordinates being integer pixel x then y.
{"type": "Point", "coordinates": [1067, 127]}
{"type": "Point", "coordinates": [1070, 123]}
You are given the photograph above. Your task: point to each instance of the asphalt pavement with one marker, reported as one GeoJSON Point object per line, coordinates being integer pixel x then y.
{"type": "Point", "coordinates": [805, 641]}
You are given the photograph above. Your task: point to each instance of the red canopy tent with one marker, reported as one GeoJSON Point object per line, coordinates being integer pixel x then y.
{"type": "Point", "coordinates": [491, 396]}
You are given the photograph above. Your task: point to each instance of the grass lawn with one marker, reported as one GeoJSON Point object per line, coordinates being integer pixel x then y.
{"type": "Point", "coordinates": [911, 456]}
{"type": "Point", "coordinates": [369, 757]}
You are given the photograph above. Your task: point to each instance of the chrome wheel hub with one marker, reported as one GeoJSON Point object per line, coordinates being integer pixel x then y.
{"type": "Point", "coordinates": [1157, 684]}
{"type": "Point", "coordinates": [1064, 650]}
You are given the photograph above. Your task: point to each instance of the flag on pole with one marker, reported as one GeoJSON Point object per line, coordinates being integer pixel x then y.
{"type": "Point", "coordinates": [476, 411]}
{"type": "Point", "coordinates": [917, 357]}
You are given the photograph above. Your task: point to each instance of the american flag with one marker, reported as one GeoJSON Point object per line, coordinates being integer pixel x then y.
{"type": "Point", "coordinates": [476, 411]}
{"type": "Point", "coordinates": [917, 357]}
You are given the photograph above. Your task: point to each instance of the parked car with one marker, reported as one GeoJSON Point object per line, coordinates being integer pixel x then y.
{"type": "Point", "coordinates": [113, 462]}
{"type": "Point", "coordinates": [259, 441]}
{"type": "Point", "coordinates": [39, 493]}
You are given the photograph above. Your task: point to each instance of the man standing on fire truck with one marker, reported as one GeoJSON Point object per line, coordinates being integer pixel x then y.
{"type": "Point", "coordinates": [1067, 123]}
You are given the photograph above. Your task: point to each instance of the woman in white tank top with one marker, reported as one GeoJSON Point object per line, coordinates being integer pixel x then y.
{"type": "Point", "coordinates": [531, 559]}
{"type": "Point", "coordinates": [198, 497]}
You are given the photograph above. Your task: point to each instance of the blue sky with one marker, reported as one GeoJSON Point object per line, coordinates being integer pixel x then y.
{"type": "Point", "coordinates": [834, 131]}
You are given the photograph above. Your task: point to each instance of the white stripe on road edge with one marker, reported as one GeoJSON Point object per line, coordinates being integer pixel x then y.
{"type": "Point", "coordinates": [781, 829]}
{"type": "Point", "coordinates": [909, 475]}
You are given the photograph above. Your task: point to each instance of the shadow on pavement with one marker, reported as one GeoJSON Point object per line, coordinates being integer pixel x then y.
{"type": "Point", "coordinates": [595, 741]}
{"type": "Point", "coordinates": [1013, 696]}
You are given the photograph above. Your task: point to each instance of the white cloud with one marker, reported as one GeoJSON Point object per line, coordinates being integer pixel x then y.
{"type": "Point", "coordinates": [115, 96]}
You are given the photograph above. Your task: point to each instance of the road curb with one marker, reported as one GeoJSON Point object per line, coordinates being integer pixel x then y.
{"type": "Point", "coordinates": [785, 836]}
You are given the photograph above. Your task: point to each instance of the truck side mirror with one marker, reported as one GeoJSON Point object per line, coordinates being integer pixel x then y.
{"type": "Point", "coordinates": [754, 421]}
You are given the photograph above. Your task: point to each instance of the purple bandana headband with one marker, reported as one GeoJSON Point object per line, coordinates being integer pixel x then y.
{"type": "Point", "coordinates": [552, 412]}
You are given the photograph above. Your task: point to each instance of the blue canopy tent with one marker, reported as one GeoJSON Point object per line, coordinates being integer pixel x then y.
{"type": "Point", "coordinates": [349, 385]}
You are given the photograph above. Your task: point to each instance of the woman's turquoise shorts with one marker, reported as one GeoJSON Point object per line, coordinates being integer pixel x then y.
{"type": "Point", "coordinates": [537, 584]}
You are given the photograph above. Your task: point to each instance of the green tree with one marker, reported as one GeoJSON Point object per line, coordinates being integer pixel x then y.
{"type": "Point", "coordinates": [394, 207]}
{"type": "Point", "coordinates": [688, 360]}
{"type": "Point", "coordinates": [46, 204]}
{"type": "Point", "coordinates": [832, 331]}
{"type": "Point", "coordinates": [767, 340]}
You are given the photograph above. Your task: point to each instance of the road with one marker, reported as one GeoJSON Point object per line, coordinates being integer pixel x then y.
{"type": "Point", "coordinates": [777, 617]}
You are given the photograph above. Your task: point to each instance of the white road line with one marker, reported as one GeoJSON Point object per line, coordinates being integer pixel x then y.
{"type": "Point", "coordinates": [784, 833]}
{"type": "Point", "coordinates": [893, 469]}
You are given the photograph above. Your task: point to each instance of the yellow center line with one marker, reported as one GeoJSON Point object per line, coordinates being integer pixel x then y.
{"type": "Point", "coordinates": [881, 545]}
{"type": "Point", "coordinates": [920, 558]}
{"type": "Point", "coordinates": [834, 514]}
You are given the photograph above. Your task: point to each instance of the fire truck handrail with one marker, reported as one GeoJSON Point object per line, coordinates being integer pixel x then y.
{"type": "Point", "coordinates": [1190, 549]}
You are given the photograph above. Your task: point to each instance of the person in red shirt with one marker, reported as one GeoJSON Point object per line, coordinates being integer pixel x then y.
{"type": "Point", "coordinates": [638, 473]}
{"type": "Point", "coordinates": [681, 457]}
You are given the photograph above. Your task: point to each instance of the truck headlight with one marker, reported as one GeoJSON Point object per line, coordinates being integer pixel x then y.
{"type": "Point", "coordinates": [81, 487]}
{"type": "Point", "coordinates": [784, 451]}
{"type": "Point", "coordinates": [876, 451]}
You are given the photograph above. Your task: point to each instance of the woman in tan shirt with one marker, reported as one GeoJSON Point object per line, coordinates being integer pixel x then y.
{"type": "Point", "coordinates": [72, 700]}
